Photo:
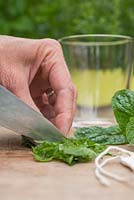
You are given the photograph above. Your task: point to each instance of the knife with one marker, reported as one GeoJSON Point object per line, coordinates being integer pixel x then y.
{"type": "Point", "coordinates": [21, 118]}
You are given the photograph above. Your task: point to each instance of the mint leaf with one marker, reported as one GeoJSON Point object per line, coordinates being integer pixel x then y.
{"type": "Point", "coordinates": [130, 131]}
{"type": "Point", "coordinates": [109, 135]}
{"type": "Point", "coordinates": [123, 107]}
{"type": "Point", "coordinates": [71, 151]}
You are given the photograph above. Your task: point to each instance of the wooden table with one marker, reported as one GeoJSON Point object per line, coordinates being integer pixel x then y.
{"type": "Point", "coordinates": [22, 178]}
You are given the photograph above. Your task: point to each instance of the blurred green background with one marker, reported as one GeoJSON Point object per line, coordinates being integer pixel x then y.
{"type": "Point", "coordinates": [58, 18]}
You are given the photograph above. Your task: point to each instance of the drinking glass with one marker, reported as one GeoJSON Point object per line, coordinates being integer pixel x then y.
{"type": "Point", "coordinates": [99, 65]}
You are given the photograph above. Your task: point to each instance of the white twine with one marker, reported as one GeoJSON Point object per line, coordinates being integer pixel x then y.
{"type": "Point", "coordinates": [126, 161]}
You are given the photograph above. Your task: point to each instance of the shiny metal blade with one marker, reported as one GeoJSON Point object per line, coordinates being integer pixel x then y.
{"type": "Point", "coordinates": [19, 117]}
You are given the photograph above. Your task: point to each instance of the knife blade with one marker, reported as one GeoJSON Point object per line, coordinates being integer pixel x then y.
{"type": "Point", "coordinates": [21, 118]}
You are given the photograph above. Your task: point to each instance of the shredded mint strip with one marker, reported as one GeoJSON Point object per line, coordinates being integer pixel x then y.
{"type": "Point", "coordinates": [71, 151]}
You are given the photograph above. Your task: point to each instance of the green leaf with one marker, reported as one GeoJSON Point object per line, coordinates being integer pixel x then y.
{"type": "Point", "coordinates": [70, 151]}
{"type": "Point", "coordinates": [110, 135]}
{"type": "Point", "coordinates": [130, 131]}
{"type": "Point", "coordinates": [123, 107]}
{"type": "Point", "coordinates": [50, 150]}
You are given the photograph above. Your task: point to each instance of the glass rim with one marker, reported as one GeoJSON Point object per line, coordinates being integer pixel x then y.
{"type": "Point", "coordinates": [123, 39]}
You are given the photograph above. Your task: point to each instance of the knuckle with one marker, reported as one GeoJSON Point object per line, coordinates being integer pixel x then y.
{"type": "Point", "coordinates": [52, 42]}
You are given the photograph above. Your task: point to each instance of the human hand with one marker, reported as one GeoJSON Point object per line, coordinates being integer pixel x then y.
{"type": "Point", "coordinates": [36, 72]}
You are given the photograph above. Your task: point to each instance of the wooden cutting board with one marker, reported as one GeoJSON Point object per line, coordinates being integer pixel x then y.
{"type": "Point", "coordinates": [22, 178]}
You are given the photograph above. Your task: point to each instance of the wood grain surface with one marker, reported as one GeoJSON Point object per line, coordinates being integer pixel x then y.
{"type": "Point", "coordinates": [22, 178]}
